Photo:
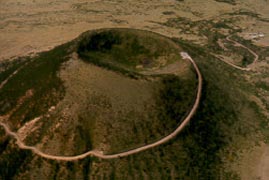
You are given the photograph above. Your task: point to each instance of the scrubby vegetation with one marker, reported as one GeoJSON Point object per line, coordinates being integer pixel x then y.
{"type": "Point", "coordinates": [175, 98]}
{"type": "Point", "coordinates": [28, 94]}
{"type": "Point", "coordinates": [172, 102]}
{"type": "Point", "coordinates": [8, 67]}
{"type": "Point", "coordinates": [39, 77]}
{"type": "Point", "coordinates": [12, 161]}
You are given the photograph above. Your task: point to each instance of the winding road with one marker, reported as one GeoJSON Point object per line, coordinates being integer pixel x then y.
{"type": "Point", "coordinates": [243, 46]}
{"type": "Point", "coordinates": [100, 154]}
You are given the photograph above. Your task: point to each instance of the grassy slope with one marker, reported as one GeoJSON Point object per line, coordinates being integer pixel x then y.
{"type": "Point", "coordinates": [39, 76]}
{"type": "Point", "coordinates": [174, 99]}
{"type": "Point", "coordinates": [8, 67]}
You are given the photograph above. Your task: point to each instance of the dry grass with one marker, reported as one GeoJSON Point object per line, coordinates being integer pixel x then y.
{"type": "Point", "coordinates": [34, 26]}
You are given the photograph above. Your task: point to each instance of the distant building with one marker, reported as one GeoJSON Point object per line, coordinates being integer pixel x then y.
{"type": "Point", "coordinates": [255, 35]}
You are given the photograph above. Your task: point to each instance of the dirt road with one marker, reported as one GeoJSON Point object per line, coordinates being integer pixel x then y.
{"type": "Point", "coordinates": [241, 45]}
{"type": "Point", "coordinates": [99, 154]}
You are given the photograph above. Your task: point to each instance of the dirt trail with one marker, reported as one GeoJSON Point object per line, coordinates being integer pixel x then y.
{"type": "Point", "coordinates": [240, 45]}
{"type": "Point", "coordinates": [100, 154]}
{"type": "Point", "coordinates": [243, 46]}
